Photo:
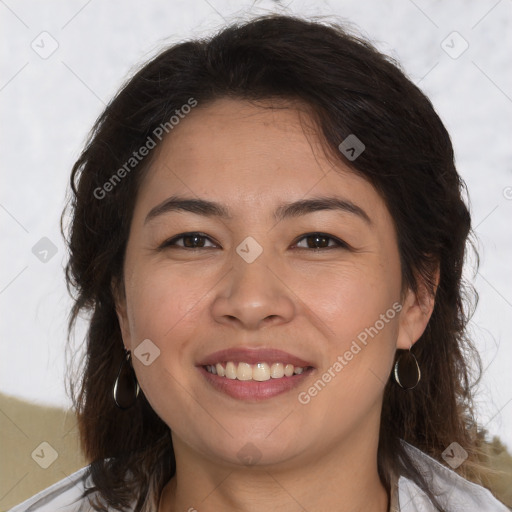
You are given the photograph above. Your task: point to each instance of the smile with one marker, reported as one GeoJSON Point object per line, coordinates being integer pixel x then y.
{"type": "Point", "coordinates": [254, 374]}
{"type": "Point", "coordinates": [257, 372]}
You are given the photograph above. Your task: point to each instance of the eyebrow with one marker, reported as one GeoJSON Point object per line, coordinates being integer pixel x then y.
{"type": "Point", "coordinates": [284, 211]}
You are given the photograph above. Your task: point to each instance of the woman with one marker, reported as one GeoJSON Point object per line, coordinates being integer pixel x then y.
{"type": "Point", "coordinates": [268, 232]}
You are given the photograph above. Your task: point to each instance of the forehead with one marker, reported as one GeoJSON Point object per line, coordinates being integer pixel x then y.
{"type": "Point", "coordinates": [248, 155]}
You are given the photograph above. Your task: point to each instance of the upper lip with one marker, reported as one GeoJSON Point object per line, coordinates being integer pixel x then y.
{"type": "Point", "coordinates": [253, 356]}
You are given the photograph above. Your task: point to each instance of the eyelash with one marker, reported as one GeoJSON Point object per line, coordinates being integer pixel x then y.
{"type": "Point", "coordinates": [172, 241]}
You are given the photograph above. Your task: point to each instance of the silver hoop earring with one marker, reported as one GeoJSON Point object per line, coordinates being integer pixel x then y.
{"type": "Point", "coordinates": [407, 370]}
{"type": "Point", "coordinates": [126, 388]}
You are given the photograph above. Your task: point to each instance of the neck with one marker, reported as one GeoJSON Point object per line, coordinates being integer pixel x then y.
{"type": "Point", "coordinates": [343, 479]}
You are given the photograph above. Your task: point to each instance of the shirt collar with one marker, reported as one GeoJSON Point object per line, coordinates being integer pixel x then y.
{"type": "Point", "coordinates": [453, 492]}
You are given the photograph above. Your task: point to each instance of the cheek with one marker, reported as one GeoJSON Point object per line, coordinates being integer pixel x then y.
{"type": "Point", "coordinates": [358, 308]}
{"type": "Point", "coordinates": [349, 299]}
{"type": "Point", "coordinates": [163, 301]}
{"type": "Point", "coordinates": [164, 307]}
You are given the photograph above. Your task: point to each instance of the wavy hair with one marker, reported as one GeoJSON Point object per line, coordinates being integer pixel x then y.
{"type": "Point", "coordinates": [350, 88]}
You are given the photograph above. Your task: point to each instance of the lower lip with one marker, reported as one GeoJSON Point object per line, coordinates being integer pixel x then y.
{"type": "Point", "coordinates": [252, 390]}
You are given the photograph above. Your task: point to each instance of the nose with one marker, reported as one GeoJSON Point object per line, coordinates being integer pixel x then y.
{"type": "Point", "coordinates": [253, 296]}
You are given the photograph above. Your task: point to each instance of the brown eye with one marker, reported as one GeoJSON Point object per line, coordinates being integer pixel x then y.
{"type": "Point", "coordinates": [321, 241]}
{"type": "Point", "coordinates": [189, 241]}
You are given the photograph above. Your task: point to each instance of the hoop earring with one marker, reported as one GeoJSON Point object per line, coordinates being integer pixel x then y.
{"type": "Point", "coordinates": [126, 388]}
{"type": "Point", "coordinates": [407, 371]}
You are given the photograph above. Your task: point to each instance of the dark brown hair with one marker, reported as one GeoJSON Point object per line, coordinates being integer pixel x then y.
{"type": "Point", "coordinates": [350, 88]}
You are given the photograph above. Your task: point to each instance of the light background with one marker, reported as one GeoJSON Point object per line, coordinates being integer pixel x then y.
{"type": "Point", "coordinates": [49, 104]}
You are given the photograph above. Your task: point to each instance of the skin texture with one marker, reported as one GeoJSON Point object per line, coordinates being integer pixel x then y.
{"type": "Point", "coordinates": [310, 302]}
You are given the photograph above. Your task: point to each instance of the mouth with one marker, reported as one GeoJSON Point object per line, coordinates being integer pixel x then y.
{"type": "Point", "coordinates": [254, 375]}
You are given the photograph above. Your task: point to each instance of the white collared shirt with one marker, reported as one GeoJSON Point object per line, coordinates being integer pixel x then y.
{"type": "Point", "coordinates": [455, 494]}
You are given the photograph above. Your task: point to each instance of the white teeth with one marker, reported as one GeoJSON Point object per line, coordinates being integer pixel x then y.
{"type": "Point", "coordinates": [277, 370]}
{"type": "Point", "coordinates": [220, 370]}
{"type": "Point", "coordinates": [244, 371]}
{"type": "Point", "coordinates": [230, 370]}
{"type": "Point", "coordinates": [259, 372]}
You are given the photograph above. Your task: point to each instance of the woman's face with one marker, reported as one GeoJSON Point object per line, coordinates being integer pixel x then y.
{"type": "Point", "coordinates": [320, 282]}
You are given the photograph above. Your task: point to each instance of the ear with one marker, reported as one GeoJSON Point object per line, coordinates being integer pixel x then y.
{"type": "Point", "coordinates": [119, 295]}
{"type": "Point", "coordinates": [416, 311]}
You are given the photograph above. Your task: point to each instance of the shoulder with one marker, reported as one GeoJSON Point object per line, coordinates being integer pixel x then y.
{"type": "Point", "coordinates": [64, 496]}
{"type": "Point", "coordinates": [455, 493]}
